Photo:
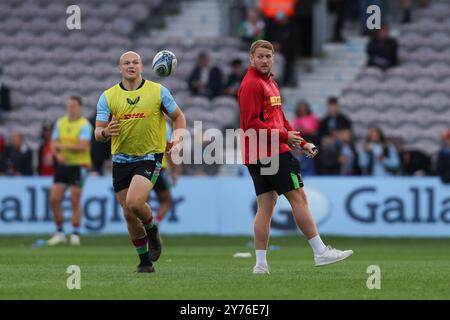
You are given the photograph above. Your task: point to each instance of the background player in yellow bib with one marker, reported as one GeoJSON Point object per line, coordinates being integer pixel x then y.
{"type": "Point", "coordinates": [164, 183]}
{"type": "Point", "coordinates": [70, 146]}
{"type": "Point", "coordinates": [131, 114]}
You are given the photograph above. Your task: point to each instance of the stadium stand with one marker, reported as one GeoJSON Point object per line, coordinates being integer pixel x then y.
{"type": "Point", "coordinates": [44, 62]}
{"type": "Point", "coordinates": [411, 101]}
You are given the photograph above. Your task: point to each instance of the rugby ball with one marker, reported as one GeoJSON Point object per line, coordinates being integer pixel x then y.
{"type": "Point", "coordinates": [164, 63]}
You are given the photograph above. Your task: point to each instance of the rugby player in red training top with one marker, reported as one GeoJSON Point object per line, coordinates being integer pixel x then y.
{"type": "Point", "coordinates": [261, 112]}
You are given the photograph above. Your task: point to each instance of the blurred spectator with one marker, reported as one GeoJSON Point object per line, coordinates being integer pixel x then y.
{"type": "Point", "coordinates": [348, 155]}
{"type": "Point", "coordinates": [415, 163]}
{"type": "Point", "coordinates": [2, 156]}
{"type": "Point", "coordinates": [235, 78]}
{"type": "Point", "coordinates": [443, 161]}
{"type": "Point", "coordinates": [5, 102]}
{"type": "Point", "coordinates": [338, 7]}
{"type": "Point", "coordinates": [304, 30]}
{"type": "Point", "coordinates": [46, 161]}
{"type": "Point", "coordinates": [19, 157]}
{"type": "Point", "coordinates": [100, 151]}
{"type": "Point", "coordinates": [328, 159]}
{"type": "Point", "coordinates": [280, 33]}
{"type": "Point", "coordinates": [253, 28]}
{"type": "Point", "coordinates": [382, 50]}
{"type": "Point", "coordinates": [407, 6]}
{"type": "Point", "coordinates": [306, 121]}
{"type": "Point", "coordinates": [378, 157]}
{"type": "Point", "coordinates": [205, 80]}
{"type": "Point", "coordinates": [270, 8]}
{"type": "Point", "coordinates": [334, 119]}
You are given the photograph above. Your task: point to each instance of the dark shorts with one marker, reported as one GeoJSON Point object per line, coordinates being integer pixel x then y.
{"type": "Point", "coordinates": [287, 178]}
{"type": "Point", "coordinates": [162, 184]}
{"type": "Point", "coordinates": [70, 175]}
{"type": "Point", "coordinates": [123, 172]}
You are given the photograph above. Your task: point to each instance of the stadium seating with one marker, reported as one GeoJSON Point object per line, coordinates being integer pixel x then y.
{"type": "Point", "coordinates": [411, 101]}
{"type": "Point", "coordinates": [44, 62]}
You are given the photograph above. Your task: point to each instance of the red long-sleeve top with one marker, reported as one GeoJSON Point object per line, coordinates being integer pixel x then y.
{"type": "Point", "coordinates": [260, 108]}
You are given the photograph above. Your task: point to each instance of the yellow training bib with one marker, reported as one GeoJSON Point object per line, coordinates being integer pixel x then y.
{"type": "Point", "coordinates": [141, 120]}
{"type": "Point", "coordinates": [69, 134]}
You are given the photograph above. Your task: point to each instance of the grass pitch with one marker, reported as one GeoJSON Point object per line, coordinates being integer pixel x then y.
{"type": "Point", "coordinates": [202, 267]}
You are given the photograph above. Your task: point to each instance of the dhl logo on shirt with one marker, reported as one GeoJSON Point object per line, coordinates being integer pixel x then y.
{"type": "Point", "coordinates": [129, 116]}
{"type": "Point", "coordinates": [275, 101]}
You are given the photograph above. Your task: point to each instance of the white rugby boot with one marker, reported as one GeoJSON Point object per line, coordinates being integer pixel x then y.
{"type": "Point", "coordinates": [331, 255]}
{"type": "Point", "coordinates": [75, 239]}
{"type": "Point", "coordinates": [259, 269]}
{"type": "Point", "coordinates": [58, 238]}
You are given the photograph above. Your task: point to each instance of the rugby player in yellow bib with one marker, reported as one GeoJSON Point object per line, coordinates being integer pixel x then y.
{"type": "Point", "coordinates": [167, 178]}
{"type": "Point", "coordinates": [70, 145]}
{"type": "Point", "coordinates": [131, 114]}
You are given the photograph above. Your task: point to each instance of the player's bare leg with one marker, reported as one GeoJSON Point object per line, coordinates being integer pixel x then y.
{"type": "Point", "coordinates": [165, 203]}
{"type": "Point", "coordinates": [75, 197]}
{"type": "Point", "coordinates": [302, 213]}
{"type": "Point", "coordinates": [136, 232]}
{"type": "Point", "coordinates": [136, 201]}
{"type": "Point", "coordinates": [266, 203]}
{"type": "Point", "coordinates": [323, 255]}
{"type": "Point", "coordinates": [137, 196]}
{"type": "Point", "coordinates": [135, 228]}
{"type": "Point", "coordinates": [56, 197]}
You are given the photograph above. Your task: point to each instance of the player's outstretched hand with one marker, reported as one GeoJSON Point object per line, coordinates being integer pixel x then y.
{"type": "Point", "coordinates": [310, 150]}
{"type": "Point", "coordinates": [113, 128]}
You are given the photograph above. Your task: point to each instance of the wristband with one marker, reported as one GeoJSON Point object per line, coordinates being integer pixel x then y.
{"type": "Point", "coordinates": [303, 143]}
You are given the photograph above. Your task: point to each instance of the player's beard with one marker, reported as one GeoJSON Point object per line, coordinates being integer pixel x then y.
{"type": "Point", "coordinates": [265, 70]}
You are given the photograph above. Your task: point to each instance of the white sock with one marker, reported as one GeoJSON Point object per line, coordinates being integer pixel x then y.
{"type": "Point", "coordinates": [261, 257]}
{"type": "Point", "coordinates": [317, 245]}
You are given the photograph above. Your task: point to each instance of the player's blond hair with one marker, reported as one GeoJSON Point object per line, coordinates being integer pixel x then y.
{"type": "Point", "coordinates": [261, 44]}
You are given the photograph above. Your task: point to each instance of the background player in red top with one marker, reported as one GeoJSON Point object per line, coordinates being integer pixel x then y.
{"type": "Point", "coordinates": [260, 109]}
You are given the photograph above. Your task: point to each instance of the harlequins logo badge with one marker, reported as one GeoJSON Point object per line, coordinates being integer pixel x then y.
{"type": "Point", "coordinates": [133, 102]}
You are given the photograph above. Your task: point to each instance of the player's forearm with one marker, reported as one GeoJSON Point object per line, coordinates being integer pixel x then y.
{"type": "Point", "coordinates": [77, 148]}
{"type": "Point", "coordinates": [54, 147]}
{"type": "Point", "coordinates": [179, 126]}
{"type": "Point", "coordinates": [255, 123]}
{"type": "Point", "coordinates": [101, 135]}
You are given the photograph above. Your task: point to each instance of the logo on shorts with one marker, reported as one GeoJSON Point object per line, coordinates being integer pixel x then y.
{"type": "Point", "coordinates": [149, 173]}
